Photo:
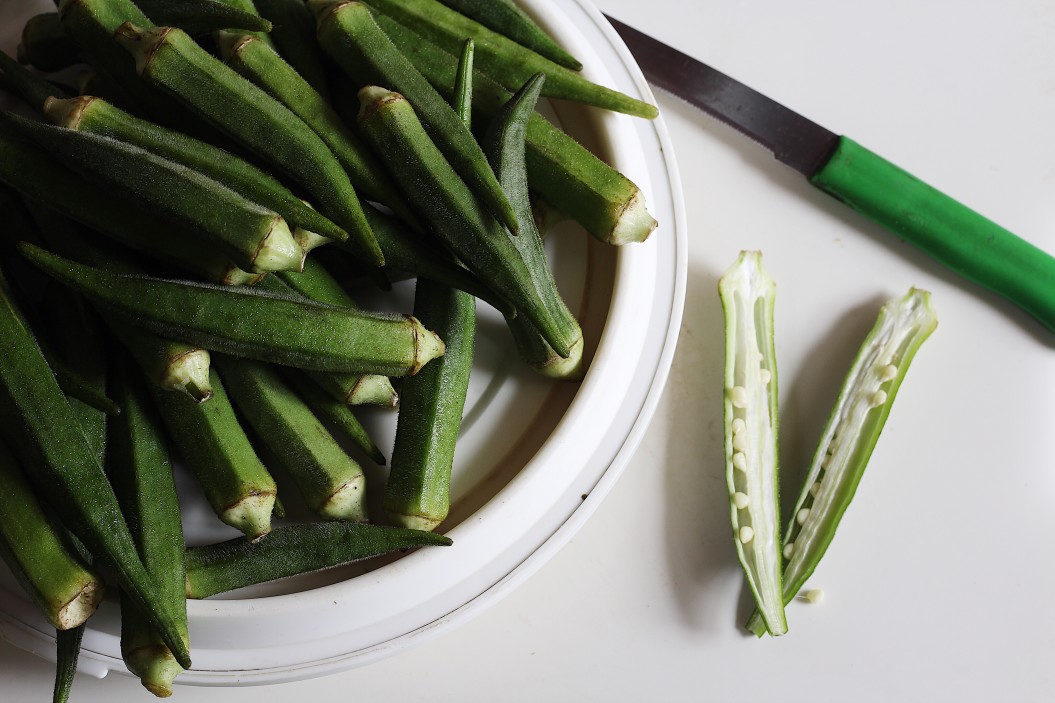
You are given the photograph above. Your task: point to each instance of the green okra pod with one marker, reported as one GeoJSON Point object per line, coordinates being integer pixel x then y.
{"type": "Point", "coordinates": [256, 238]}
{"type": "Point", "coordinates": [336, 414]}
{"type": "Point", "coordinates": [55, 578]}
{"type": "Point", "coordinates": [68, 651]}
{"type": "Point", "coordinates": [349, 34]}
{"type": "Point", "coordinates": [390, 124]}
{"type": "Point", "coordinates": [249, 7]}
{"type": "Point", "coordinates": [197, 17]}
{"type": "Point", "coordinates": [142, 476]}
{"type": "Point", "coordinates": [293, 32]}
{"type": "Point", "coordinates": [34, 89]}
{"type": "Point", "coordinates": [252, 323]}
{"type": "Point", "coordinates": [63, 468]}
{"type": "Point", "coordinates": [169, 59]}
{"type": "Point", "coordinates": [331, 482]}
{"type": "Point", "coordinates": [505, 18]}
{"type": "Point", "coordinates": [847, 441]}
{"type": "Point", "coordinates": [97, 116]}
{"type": "Point", "coordinates": [259, 64]}
{"type": "Point", "coordinates": [563, 172]}
{"type": "Point", "coordinates": [504, 60]}
{"type": "Point", "coordinates": [45, 44]}
{"type": "Point", "coordinates": [213, 443]}
{"type": "Point", "coordinates": [505, 148]}
{"type": "Point", "coordinates": [293, 550]}
{"type": "Point", "coordinates": [751, 429]}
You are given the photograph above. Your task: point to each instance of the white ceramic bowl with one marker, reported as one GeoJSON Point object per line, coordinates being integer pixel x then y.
{"type": "Point", "coordinates": [534, 459]}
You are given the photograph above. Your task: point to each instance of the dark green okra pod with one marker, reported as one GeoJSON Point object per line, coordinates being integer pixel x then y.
{"type": "Point", "coordinates": [46, 45]}
{"type": "Point", "coordinates": [505, 149]}
{"type": "Point", "coordinates": [251, 323]}
{"type": "Point", "coordinates": [90, 114]}
{"type": "Point", "coordinates": [54, 577]}
{"type": "Point", "coordinates": [293, 32]}
{"type": "Point", "coordinates": [337, 415]}
{"type": "Point", "coordinates": [63, 468]}
{"type": "Point", "coordinates": [256, 238]}
{"type": "Point", "coordinates": [331, 482]}
{"type": "Point", "coordinates": [504, 60]}
{"type": "Point", "coordinates": [293, 550]}
{"type": "Point", "coordinates": [197, 17]}
{"type": "Point", "coordinates": [390, 124]}
{"type": "Point", "coordinates": [570, 178]}
{"type": "Point", "coordinates": [259, 64]}
{"type": "Point", "coordinates": [68, 651]}
{"type": "Point", "coordinates": [169, 58]}
{"type": "Point", "coordinates": [237, 485]}
{"type": "Point", "coordinates": [34, 89]}
{"type": "Point", "coordinates": [142, 477]}
{"type": "Point", "coordinates": [349, 34]}
{"type": "Point", "coordinates": [505, 18]}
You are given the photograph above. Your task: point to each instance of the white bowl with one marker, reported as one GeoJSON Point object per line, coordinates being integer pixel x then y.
{"type": "Point", "coordinates": [534, 459]}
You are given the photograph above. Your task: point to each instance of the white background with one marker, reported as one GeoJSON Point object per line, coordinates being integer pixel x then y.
{"type": "Point", "coordinates": [938, 586]}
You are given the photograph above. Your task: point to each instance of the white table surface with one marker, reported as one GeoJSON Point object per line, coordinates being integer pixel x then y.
{"type": "Point", "coordinates": [938, 584]}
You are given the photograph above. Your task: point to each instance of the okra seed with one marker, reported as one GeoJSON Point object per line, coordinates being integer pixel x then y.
{"type": "Point", "coordinates": [739, 397]}
{"type": "Point", "coordinates": [887, 373]}
{"type": "Point", "coordinates": [740, 441]}
{"type": "Point", "coordinates": [740, 500]}
{"type": "Point", "coordinates": [746, 534]}
{"type": "Point", "coordinates": [740, 461]}
{"type": "Point", "coordinates": [739, 425]}
{"type": "Point", "coordinates": [802, 515]}
{"type": "Point", "coordinates": [789, 549]}
{"type": "Point", "coordinates": [814, 595]}
{"type": "Point", "coordinates": [877, 399]}
{"type": "Point", "coordinates": [815, 489]}
{"type": "Point", "coordinates": [766, 376]}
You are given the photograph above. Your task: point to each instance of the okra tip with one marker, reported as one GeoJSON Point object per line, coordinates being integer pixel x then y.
{"type": "Point", "coordinates": [570, 369]}
{"type": "Point", "coordinates": [427, 345]}
{"type": "Point", "coordinates": [79, 608]}
{"type": "Point", "coordinates": [156, 668]}
{"type": "Point", "coordinates": [251, 515]}
{"type": "Point", "coordinates": [634, 223]}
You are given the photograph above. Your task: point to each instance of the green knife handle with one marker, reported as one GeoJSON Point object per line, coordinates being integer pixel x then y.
{"type": "Point", "coordinates": [955, 235]}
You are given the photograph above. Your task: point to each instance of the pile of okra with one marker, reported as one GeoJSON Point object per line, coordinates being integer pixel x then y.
{"type": "Point", "coordinates": [188, 189]}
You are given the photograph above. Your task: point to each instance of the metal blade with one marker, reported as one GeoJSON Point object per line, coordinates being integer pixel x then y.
{"type": "Point", "coordinates": [796, 141]}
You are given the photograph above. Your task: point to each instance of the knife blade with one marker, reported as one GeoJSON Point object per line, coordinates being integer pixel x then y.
{"type": "Point", "coordinates": [950, 232]}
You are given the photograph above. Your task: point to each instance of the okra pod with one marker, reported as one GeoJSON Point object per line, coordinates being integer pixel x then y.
{"type": "Point", "coordinates": [97, 116]}
{"type": "Point", "coordinates": [507, 62]}
{"type": "Point", "coordinates": [142, 476]}
{"type": "Point", "coordinates": [853, 428]}
{"type": "Point", "coordinates": [62, 466]}
{"type": "Point", "coordinates": [64, 588]}
{"type": "Point", "coordinates": [256, 238]}
{"type": "Point", "coordinates": [198, 17]}
{"type": "Point", "coordinates": [209, 437]}
{"type": "Point", "coordinates": [505, 18]}
{"type": "Point", "coordinates": [331, 482]}
{"type": "Point", "coordinates": [68, 651]}
{"type": "Point", "coordinates": [605, 202]}
{"type": "Point", "coordinates": [335, 413]}
{"type": "Point", "coordinates": [390, 124]}
{"type": "Point", "coordinates": [249, 7]}
{"type": "Point", "coordinates": [169, 58]}
{"type": "Point", "coordinates": [505, 149]}
{"type": "Point", "coordinates": [293, 32]}
{"type": "Point", "coordinates": [747, 294]}
{"type": "Point", "coordinates": [259, 64]}
{"type": "Point", "coordinates": [349, 34]}
{"type": "Point", "coordinates": [34, 89]}
{"type": "Point", "coordinates": [292, 550]}
{"type": "Point", "coordinates": [251, 323]}
{"type": "Point", "coordinates": [45, 44]}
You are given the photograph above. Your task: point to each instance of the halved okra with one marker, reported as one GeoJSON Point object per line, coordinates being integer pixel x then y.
{"type": "Point", "coordinates": [142, 476]}
{"type": "Point", "coordinates": [507, 62]}
{"type": "Point", "coordinates": [54, 577]}
{"type": "Point", "coordinates": [252, 323]}
{"type": "Point", "coordinates": [64, 469]}
{"type": "Point", "coordinates": [391, 125]}
{"type": "Point", "coordinates": [846, 444]}
{"type": "Point", "coordinates": [331, 482]}
{"type": "Point", "coordinates": [169, 59]}
{"type": "Point", "coordinates": [294, 549]}
{"type": "Point", "coordinates": [349, 34]}
{"type": "Point", "coordinates": [747, 294]}
{"type": "Point", "coordinates": [505, 18]}
{"type": "Point", "coordinates": [256, 238]}
{"type": "Point", "coordinates": [504, 145]}
{"type": "Point", "coordinates": [213, 443]}
{"type": "Point", "coordinates": [567, 175]}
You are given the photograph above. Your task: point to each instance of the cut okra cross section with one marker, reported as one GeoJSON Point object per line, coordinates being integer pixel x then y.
{"type": "Point", "coordinates": [747, 293]}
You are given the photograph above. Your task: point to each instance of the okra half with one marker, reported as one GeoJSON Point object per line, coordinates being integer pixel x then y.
{"type": "Point", "coordinates": [252, 323]}
{"type": "Point", "coordinates": [748, 293]}
{"type": "Point", "coordinates": [853, 428]}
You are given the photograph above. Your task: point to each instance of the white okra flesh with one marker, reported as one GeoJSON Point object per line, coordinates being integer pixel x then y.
{"type": "Point", "coordinates": [748, 294]}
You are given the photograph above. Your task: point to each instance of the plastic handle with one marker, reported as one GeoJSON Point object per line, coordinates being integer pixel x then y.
{"type": "Point", "coordinates": [955, 235]}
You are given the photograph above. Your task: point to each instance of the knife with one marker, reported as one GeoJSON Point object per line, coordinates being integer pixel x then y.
{"type": "Point", "coordinates": [968, 243]}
